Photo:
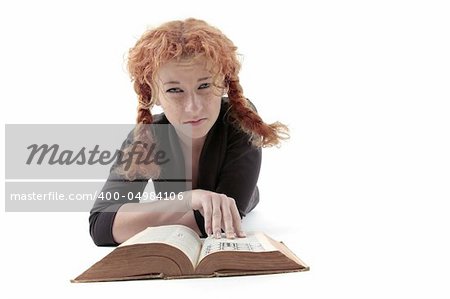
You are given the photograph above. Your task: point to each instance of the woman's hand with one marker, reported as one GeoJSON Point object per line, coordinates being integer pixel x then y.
{"type": "Point", "coordinates": [220, 212]}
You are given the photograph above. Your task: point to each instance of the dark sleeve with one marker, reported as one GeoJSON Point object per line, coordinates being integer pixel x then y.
{"type": "Point", "coordinates": [103, 212]}
{"type": "Point", "coordinates": [240, 170]}
{"type": "Point", "coordinates": [238, 175]}
{"type": "Point", "coordinates": [231, 167]}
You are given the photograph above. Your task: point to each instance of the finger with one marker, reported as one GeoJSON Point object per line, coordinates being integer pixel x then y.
{"type": "Point", "coordinates": [207, 214]}
{"type": "Point", "coordinates": [227, 216]}
{"type": "Point", "coordinates": [236, 219]}
{"type": "Point", "coordinates": [216, 216]}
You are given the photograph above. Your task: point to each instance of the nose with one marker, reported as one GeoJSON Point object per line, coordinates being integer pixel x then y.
{"type": "Point", "coordinates": [193, 103]}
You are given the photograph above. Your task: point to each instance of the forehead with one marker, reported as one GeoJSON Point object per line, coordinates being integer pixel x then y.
{"type": "Point", "coordinates": [183, 68]}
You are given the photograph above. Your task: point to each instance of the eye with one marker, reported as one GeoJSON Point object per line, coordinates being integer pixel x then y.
{"type": "Point", "coordinates": [204, 85]}
{"type": "Point", "coordinates": [174, 90]}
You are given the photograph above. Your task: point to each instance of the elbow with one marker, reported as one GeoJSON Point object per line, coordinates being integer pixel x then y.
{"type": "Point", "coordinates": [251, 204]}
{"type": "Point", "coordinates": [100, 228]}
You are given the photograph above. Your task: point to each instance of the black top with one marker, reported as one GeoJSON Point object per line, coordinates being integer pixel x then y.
{"type": "Point", "coordinates": [228, 164]}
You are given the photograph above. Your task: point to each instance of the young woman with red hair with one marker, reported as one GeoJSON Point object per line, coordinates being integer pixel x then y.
{"type": "Point", "coordinates": [189, 69]}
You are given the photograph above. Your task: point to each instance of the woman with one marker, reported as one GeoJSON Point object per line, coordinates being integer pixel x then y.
{"type": "Point", "coordinates": [187, 68]}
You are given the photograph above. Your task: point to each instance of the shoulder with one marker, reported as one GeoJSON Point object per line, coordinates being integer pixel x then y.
{"type": "Point", "coordinates": [229, 128]}
{"type": "Point", "coordinates": [226, 106]}
{"type": "Point", "coordinates": [226, 103]}
{"type": "Point", "coordinates": [160, 119]}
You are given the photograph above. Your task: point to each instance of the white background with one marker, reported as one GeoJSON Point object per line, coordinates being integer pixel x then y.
{"type": "Point", "coordinates": [361, 190]}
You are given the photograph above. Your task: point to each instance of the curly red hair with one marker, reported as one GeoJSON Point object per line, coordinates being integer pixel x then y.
{"type": "Point", "coordinates": [189, 39]}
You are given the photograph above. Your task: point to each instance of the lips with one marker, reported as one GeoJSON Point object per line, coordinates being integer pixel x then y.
{"type": "Point", "coordinates": [195, 122]}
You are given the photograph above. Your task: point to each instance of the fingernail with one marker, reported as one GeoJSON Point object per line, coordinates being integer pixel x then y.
{"type": "Point", "coordinates": [217, 235]}
{"type": "Point", "coordinates": [231, 235]}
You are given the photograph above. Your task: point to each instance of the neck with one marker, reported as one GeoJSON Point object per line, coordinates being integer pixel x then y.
{"type": "Point", "coordinates": [191, 145]}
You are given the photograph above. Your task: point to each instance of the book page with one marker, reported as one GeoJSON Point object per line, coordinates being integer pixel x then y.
{"type": "Point", "coordinates": [254, 242]}
{"type": "Point", "coordinates": [179, 236]}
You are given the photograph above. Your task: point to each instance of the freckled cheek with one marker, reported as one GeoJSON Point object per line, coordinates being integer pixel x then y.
{"type": "Point", "coordinates": [211, 106]}
{"type": "Point", "coordinates": [177, 106]}
{"type": "Point", "coordinates": [177, 111]}
{"type": "Point", "coordinates": [173, 111]}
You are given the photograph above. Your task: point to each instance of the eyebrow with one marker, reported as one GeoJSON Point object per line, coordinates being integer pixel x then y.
{"type": "Point", "coordinates": [176, 82]}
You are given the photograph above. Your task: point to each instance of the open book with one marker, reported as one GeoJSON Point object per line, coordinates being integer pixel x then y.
{"type": "Point", "coordinates": [176, 251]}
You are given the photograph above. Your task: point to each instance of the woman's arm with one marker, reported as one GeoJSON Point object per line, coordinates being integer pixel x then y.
{"type": "Point", "coordinates": [230, 166]}
{"type": "Point", "coordinates": [234, 176]}
{"type": "Point", "coordinates": [239, 173]}
{"type": "Point", "coordinates": [113, 221]}
{"type": "Point", "coordinates": [132, 218]}
{"type": "Point", "coordinates": [219, 212]}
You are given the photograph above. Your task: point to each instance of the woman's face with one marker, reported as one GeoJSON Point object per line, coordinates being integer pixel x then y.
{"type": "Point", "coordinates": [188, 96]}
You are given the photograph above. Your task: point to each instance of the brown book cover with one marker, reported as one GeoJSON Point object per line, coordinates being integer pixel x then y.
{"type": "Point", "coordinates": [176, 251]}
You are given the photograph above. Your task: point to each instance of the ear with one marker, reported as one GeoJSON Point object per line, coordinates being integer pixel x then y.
{"type": "Point", "coordinates": [225, 90]}
{"type": "Point", "coordinates": [226, 83]}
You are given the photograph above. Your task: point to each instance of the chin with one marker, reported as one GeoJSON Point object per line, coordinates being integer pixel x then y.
{"type": "Point", "coordinates": [198, 133]}
{"type": "Point", "coordinates": [194, 133]}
